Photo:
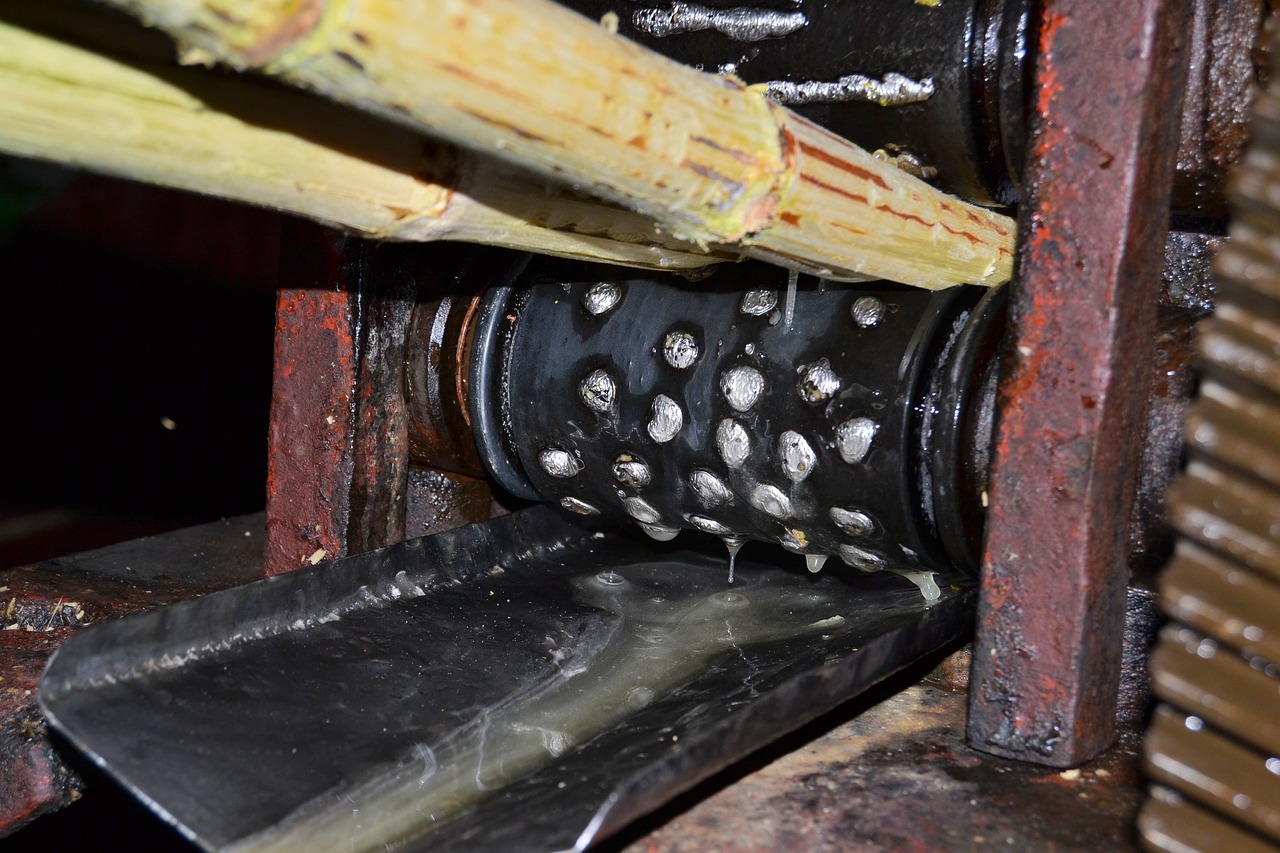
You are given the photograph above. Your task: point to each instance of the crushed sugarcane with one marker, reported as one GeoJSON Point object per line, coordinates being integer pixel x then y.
{"type": "Point", "coordinates": [138, 116]}
{"type": "Point", "coordinates": [710, 160]}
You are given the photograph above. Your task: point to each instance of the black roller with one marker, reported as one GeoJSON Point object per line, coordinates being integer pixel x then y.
{"type": "Point", "coordinates": [719, 407]}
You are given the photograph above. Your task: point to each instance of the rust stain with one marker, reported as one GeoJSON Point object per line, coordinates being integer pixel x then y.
{"type": "Point", "coordinates": [1023, 379]}
{"type": "Point", "coordinates": [908, 217]}
{"type": "Point", "coordinates": [988, 222]}
{"type": "Point", "coordinates": [1049, 87]}
{"type": "Point", "coordinates": [972, 238]}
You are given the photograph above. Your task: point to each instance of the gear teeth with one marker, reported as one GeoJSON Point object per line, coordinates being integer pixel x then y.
{"type": "Point", "coordinates": [1213, 746]}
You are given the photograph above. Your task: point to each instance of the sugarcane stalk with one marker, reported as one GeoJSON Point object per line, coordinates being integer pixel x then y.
{"type": "Point", "coordinates": [711, 160]}
{"type": "Point", "coordinates": [248, 141]}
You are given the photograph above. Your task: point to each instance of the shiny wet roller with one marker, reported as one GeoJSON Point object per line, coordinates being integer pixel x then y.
{"type": "Point", "coordinates": [834, 420]}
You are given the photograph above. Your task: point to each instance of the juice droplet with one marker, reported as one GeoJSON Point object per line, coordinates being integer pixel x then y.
{"type": "Point", "coordinates": [793, 278]}
{"type": "Point", "coordinates": [734, 544]}
{"type": "Point", "coordinates": [814, 562]}
{"type": "Point", "coordinates": [924, 581]}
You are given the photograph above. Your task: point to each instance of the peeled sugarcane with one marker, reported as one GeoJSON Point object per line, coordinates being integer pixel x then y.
{"type": "Point", "coordinates": [245, 140]}
{"type": "Point", "coordinates": [712, 161]}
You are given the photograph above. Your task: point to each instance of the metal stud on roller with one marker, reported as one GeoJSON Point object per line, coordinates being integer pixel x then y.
{"type": "Point", "coordinates": [854, 431]}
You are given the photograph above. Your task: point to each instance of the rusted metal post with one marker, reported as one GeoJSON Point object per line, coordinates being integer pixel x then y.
{"type": "Point", "coordinates": [1109, 80]}
{"type": "Point", "coordinates": [338, 454]}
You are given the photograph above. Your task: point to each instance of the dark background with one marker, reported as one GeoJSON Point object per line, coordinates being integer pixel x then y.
{"type": "Point", "coordinates": [136, 350]}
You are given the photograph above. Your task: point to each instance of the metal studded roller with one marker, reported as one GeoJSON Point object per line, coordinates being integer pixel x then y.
{"type": "Point", "coordinates": [834, 420]}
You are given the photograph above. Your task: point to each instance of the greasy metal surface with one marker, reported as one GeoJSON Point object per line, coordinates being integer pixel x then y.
{"type": "Point", "coordinates": [441, 500]}
{"type": "Point", "coordinates": [36, 779]}
{"type": "Point", "coordinates": [43, 605]}
{"type": "Point", "coordinates": [1222, 66]}
{"type": "Point", "coordinates": [1082, 326]}
{"type": "Point", "coordinates": [438, 361]}
{"type": "Point", "coordinates": [1216, 509]}
{"type": "Point", "coordinates": [574, 699]}
{"type": "Point", "coordinates": [338, 456]}
{"type": "Point", "coordinates": [1142, 620]}
{"type": "Point", "coordinates": [1187, 282]}
{"type": "Point", "coordinates": [960, 451]}
{"type": "Point", "coordinates": [1173, 383]}
{"type": "Point", "coordinates": [438, 355]}
{"type": "Point", "coordinates": [898, 777]}
{"type": "Point", "coordinates": [1187, 293]}
{"type": "Point", "coordinates": [380, 447]}
{"type": "Point", "coordinates": [824, 404]}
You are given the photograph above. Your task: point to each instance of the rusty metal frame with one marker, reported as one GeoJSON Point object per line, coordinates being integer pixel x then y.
{"type": "Point", "coordinates": [355, 342]}
{"type": "Point", "coordinates": [1109, 82]}
{"type": "Point", "coordinates": [338, 453]}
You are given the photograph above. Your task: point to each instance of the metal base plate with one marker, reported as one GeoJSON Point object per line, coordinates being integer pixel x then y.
{"type": "Point", "coordinates": [528, 683]}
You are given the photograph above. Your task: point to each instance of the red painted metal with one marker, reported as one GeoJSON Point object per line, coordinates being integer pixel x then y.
{"type": "Point", "coordinates": [1078, 364]}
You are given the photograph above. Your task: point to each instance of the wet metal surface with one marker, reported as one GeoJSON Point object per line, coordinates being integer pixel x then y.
{"type": "Point", "coordinates": [607, 675]}
{"type": "Point", "coordinates": [779, 424]}
{"type": "Point", "coordinates": [441, 500]}
{"type": "Point", "coordinates": [824, 788]}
